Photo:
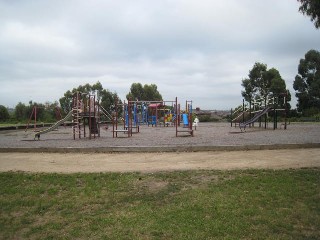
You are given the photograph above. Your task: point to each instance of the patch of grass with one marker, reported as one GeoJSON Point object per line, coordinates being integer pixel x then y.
{"type": "Point", "coordinates": [249, 204]}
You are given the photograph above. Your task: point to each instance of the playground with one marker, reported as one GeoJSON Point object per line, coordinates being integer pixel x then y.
{"type": "Point", "coordinates": [164, 127]}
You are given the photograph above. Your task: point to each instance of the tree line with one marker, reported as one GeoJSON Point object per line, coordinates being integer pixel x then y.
{"type": "Point", "coordinates": [50, 112]}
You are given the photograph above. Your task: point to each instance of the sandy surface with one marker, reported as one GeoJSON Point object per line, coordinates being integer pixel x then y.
{"type": "Point", "coordinates": [150, 162]}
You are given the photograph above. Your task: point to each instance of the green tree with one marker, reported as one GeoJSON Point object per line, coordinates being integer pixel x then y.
{"type": "Point", "coordinates": [248, 92]}
{"type": "Point", "coordinates": [145, 93]}
{"type": "Point", "coordinates": [278, 88]}
{"type": "Point", "coordinates": [104, 97]}
{"type": "Point", "coordinates": [263, 84]}
{"type": "Point", "coordinates": [20, 111]}
{"type": "Point", "coordinates": [66, 101]}
{"type": "Point", "coordinates": [311, 8]}
{"type": "Point", "coordinates": [307, 82]}
{"type": "Point", "coordinates": [108, 99]}
{"type": "Point", "coordinates": [136, 92]}
{"type": "Point", "coordinates": [40, 111]}
{"type": "Point", "coordinates": [4, 113]}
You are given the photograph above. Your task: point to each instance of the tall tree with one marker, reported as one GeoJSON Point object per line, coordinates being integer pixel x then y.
{"type": "Point", "coordinates": [4, 113]}
{"type": "Point", "coordinates": [259, 80]}
{"type": "Point", "coordinates": [311, 8]}
{"type": "Point", "coordinates": [263, 83]}
{"type": "Point", "coordinates": [151, 93]}
{"type": "Point", "coordinates": [307, 82]}
{"type": "Point", "coordinates": [136, 92]}
{"type": "Point", "coordinates": [104, 96]}
{"type": "Point", "coordinates": [20, 111]}
{"type": "Point", "coordinates": [145, 93]}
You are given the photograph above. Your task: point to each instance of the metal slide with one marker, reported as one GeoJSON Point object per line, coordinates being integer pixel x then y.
{"type": "Point", "coordinates": [54, 126]}
{"type": "Point", "coordinates": [255, 118]}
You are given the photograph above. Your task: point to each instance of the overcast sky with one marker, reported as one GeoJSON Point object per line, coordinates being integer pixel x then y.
{"type": "Point", "coordinates": [196, 50]}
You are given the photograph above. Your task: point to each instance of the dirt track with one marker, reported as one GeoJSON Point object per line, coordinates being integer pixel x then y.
{"type": "Point", "coordinates": [151, 162]}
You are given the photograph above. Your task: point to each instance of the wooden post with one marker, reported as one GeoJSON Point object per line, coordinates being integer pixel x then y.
{"type": "Point", "coordinates": [285, 111]}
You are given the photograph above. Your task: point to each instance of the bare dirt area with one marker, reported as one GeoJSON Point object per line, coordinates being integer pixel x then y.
{"type": "Point", "coordinates": [154, 162]}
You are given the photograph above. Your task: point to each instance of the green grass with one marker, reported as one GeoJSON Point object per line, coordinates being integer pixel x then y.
{"type": "Point", "coordinates": [251, 204]}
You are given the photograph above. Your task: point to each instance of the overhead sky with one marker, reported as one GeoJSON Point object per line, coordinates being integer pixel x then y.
{"type": "Point", "coordinates": [197, 50]}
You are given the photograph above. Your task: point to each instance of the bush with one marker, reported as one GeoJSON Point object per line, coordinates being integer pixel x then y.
{"type": "Point", "coordinates": [311, 112]}
{"type": "Point", "coordinates": [204, 118]}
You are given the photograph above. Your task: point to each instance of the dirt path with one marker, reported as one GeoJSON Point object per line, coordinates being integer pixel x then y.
{"type": "Point", "coordinates": [150, 162]}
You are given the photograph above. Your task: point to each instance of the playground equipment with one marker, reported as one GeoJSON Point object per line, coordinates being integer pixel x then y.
{"type": "Point", "coordinates": [34, 116]}
{"type": "Point", "coordinates": [257, 109]}
{"type": "Point", "coordinates": [105, 113]}
{"type": "Point", "coordinates": [169, 118]}
{"type": "Point", "coordinates": [85, 111]}
{"type": "Point", "coordinates": [157, 113]}
{"type": "Point", "coordinates": [240, 114]}
{"type": "Point", "coordinates": [54, 126]}
{"type": "Point", "coordinates": [152, 113]}
{"type": "Point", "coordinates": [187, 121]}
{"type": "Point", "coordinates": [153, 116]}
{"type": "Point", "coordinates": [255, 118]}
{"type": "Point", "coordinates": [127, 120]}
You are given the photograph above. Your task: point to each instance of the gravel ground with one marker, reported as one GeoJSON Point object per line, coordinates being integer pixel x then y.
{"type": "Point", "coordinates": [207, 134]}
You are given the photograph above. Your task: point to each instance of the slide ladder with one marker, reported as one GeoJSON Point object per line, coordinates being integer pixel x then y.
{"type": "Point", "coordinates": [54, 126]}
{"type": "Point", "coordinates": [238, 118]}
{"type": "Point", "coordinates": [255, 118]}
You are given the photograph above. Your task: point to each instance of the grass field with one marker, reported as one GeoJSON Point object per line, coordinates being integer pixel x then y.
{"type": "Point", "coordinates": [250, 204]}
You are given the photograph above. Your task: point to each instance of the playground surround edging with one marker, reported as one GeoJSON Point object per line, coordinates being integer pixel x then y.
{"type": "Point", "coordinates": [153, 149]}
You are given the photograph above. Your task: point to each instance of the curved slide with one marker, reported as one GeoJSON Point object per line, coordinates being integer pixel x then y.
{"type": "Point", "coordinates": [255, 118]}
{"type": "Point", "coordinates": [54, 126]}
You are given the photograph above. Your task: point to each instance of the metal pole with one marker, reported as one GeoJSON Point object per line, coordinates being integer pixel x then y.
{"type": "Point", "coordinates": [250, 113]}
{"type": "Point", "coordinates": [274, 115]}
{"type": "Point", "coordinates": [94, 115]}
{"type": "Point", "coordinates": [90, 122]}
{"type": "Point", "coordinates": [35, 117]}
{"type": "Point", "coordinates": [242, 110]}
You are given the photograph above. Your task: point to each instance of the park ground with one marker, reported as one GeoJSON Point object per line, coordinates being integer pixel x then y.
{"type": "Point", "coordinates": [155, 162]}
